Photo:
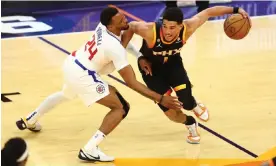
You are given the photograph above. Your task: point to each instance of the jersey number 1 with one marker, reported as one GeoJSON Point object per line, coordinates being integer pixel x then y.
{"type": "Point", "coordinates": [89, 46]}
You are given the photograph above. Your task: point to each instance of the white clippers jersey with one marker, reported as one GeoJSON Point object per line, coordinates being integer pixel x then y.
{"type": "Point", "coordinates": [103, 53]}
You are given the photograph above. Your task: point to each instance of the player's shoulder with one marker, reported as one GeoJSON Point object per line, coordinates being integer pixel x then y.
{"type": "Point", "coordinates": [111, 40]}
{"type": "Point", "coordinates": [141, 25]}
{"type": "Point", "coordinates": [188, 23]}
{"type": "Point", "coordinates": [112, 43]}
{"type": "Point", "coordinates": [150, 25]}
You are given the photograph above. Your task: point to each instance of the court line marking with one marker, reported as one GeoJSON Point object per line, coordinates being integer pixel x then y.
{"type": "Point", "coordinates": [117, 79]}
{"type": "Point", "coordinates": [73, 33]}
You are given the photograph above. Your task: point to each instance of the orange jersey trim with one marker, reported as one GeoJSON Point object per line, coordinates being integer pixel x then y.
{"type": "Point", "coordinates": [154, 37]}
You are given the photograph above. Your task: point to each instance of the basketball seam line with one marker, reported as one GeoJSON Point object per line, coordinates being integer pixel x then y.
{"type": "Point", "coordinates": [233, 23]}
{"type": "Point", "coordinates": [239, 29]}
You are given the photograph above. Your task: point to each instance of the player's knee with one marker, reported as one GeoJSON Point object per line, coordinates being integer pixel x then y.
{"type": "Point", "coordinates": [126, 109]}
{"type": "Point", "coordinates": [172, 118]}
{"type": "Point", "coordinates": [189, 104]}
{"type": "Point", "coordinates": [185, 96]}
{"type": "Point", "coordinates": [174, 115]}
{"type": "Point", "coordinates": [124, 104]}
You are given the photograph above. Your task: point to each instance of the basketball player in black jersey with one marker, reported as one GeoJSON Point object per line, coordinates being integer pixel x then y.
{"type": "Point", "coordinates": [160, 62]}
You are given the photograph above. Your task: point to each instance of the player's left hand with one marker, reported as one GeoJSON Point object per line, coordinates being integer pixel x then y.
{"type": "Point", "coordinates": [244, 14]}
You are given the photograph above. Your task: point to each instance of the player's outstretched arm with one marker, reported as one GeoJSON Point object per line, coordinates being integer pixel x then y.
{"type": "Point", "coordinates": [129, 77]}
{"type": "Point", "coordinates": [142, 29]}
{"type": "Point", "coordinates": [200, 18]}
{"type": "Point", "coordinates": [118, 55]}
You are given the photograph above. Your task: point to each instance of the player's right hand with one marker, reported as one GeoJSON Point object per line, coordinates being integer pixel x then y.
{"type": "Point", "coordinates": [245, 15]}
{"type": "Point", "coordinates": [171, 102]}
{"type": "Point", "coordinates": [145, 65]}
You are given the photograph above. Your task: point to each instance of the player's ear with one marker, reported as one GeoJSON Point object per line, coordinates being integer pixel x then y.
{"type": "Point", "coordinates": [180, 26]}
{"type": "Point", "coordinates": [109, 26]}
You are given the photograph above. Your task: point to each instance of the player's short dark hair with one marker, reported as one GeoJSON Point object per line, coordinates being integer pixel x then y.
{"type": "Point", "coordinates": [173, 14]}
{"type": "Point", "coordinates": [14, 148]}
{"type": "Point", "coordinates": [107, 14]}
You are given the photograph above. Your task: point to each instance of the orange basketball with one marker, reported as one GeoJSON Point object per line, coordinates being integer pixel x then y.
{"type": "Point", "coordinates": [236, 27]}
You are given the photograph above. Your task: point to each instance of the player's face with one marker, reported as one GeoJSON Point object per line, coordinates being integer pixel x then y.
{"type": "Point", "coordinates": [170, 29]}
{"type": "Point", "coordinates": [120, 21]}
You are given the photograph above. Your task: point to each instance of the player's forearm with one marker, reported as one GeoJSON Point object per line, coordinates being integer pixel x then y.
{"type": "Point", "coordinates": [143, 90]}
{"type": "Point", "coordinates": [219, 10]}
{"type": "Point", "coordinates": [127, 35]}
{"type": "Point", "coordinates": [132, 50]}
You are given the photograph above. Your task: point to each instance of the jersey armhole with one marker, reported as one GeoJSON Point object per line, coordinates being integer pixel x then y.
{"type": "Point", "coordinates": [184, 33]}
{"type": "Point", "coordinates": [154, 36]}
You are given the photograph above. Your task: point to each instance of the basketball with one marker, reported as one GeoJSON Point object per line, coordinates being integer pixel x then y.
{"type": "Point", "coordinates": [236, 26]}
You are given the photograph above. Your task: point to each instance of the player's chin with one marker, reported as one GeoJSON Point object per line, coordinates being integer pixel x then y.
{"type": "Point", "coordinates": [126, 27]}
{"type": "Point", "coordinates": [169, 39]}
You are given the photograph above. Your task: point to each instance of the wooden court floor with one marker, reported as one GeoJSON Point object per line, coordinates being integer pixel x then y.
{"type": "Point", "coordinates": [235, 79]}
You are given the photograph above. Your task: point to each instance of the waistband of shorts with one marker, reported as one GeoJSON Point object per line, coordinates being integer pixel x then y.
{"type": "Point", "coordinates": [80, 65]}
{"type": "Point", "coordinates": [73, 56]}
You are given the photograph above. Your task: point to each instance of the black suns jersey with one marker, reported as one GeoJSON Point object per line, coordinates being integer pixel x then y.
{"type": "Point", "coordinates": [161, 50]}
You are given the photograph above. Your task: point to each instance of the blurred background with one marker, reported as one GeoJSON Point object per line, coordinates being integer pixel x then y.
{"type": "Point", "coordinates": [84, 16]}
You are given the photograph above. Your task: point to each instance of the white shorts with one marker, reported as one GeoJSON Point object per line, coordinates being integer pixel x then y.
{"type": "Point", "coordinates": [85, 84]}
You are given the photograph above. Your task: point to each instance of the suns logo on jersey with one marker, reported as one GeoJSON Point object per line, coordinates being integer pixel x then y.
{"type": "Point", "coordinates": [167, 52]}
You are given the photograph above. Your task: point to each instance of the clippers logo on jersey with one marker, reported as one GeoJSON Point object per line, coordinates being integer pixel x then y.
{"type": "Point", "coordinates": [100, 89]}
{"type": "Point", "coordinates": [167, 52]}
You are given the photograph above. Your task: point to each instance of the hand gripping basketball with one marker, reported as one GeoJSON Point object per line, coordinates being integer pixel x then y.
{"type": "Point", "coordinates": [237, 25]}
{"type": "Point", "coordinates": [245, 15]}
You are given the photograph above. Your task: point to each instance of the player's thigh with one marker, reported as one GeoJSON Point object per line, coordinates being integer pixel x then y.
{"type": "Point", "coordinates": [181, 84]}
{"type": "Point", "coordinates": [68, 92]}
{"type": "Point", "coordinates": [178, 78]}
{"type": "Point", "coordinates": [88, 86]}
{"type": "Point", "coordinates": [159, 85]}
{"type": "Point", "coordinates": [92, 92]}
{"type": "Point", "coordinates": [156, 83]}
{"type": "Point", "coordinates": [112, 100]}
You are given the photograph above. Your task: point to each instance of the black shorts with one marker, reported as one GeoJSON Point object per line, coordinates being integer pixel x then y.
{"type": "Point", "coordinates": [170, 76]}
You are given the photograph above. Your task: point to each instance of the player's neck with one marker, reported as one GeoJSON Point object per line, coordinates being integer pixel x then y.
{"type": "Point", "coordinates": [115, 31]}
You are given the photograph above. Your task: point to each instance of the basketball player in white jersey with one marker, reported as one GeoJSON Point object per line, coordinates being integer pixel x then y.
{"type": "Point", "coordinates": [102, 54]}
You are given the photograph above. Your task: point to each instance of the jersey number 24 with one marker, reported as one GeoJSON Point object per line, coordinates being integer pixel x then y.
{"type": "Point", "coordinates": [90, 46]}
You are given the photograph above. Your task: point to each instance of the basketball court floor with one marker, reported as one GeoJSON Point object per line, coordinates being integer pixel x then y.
{"type": "Point", "coordinates": [235, 79]}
